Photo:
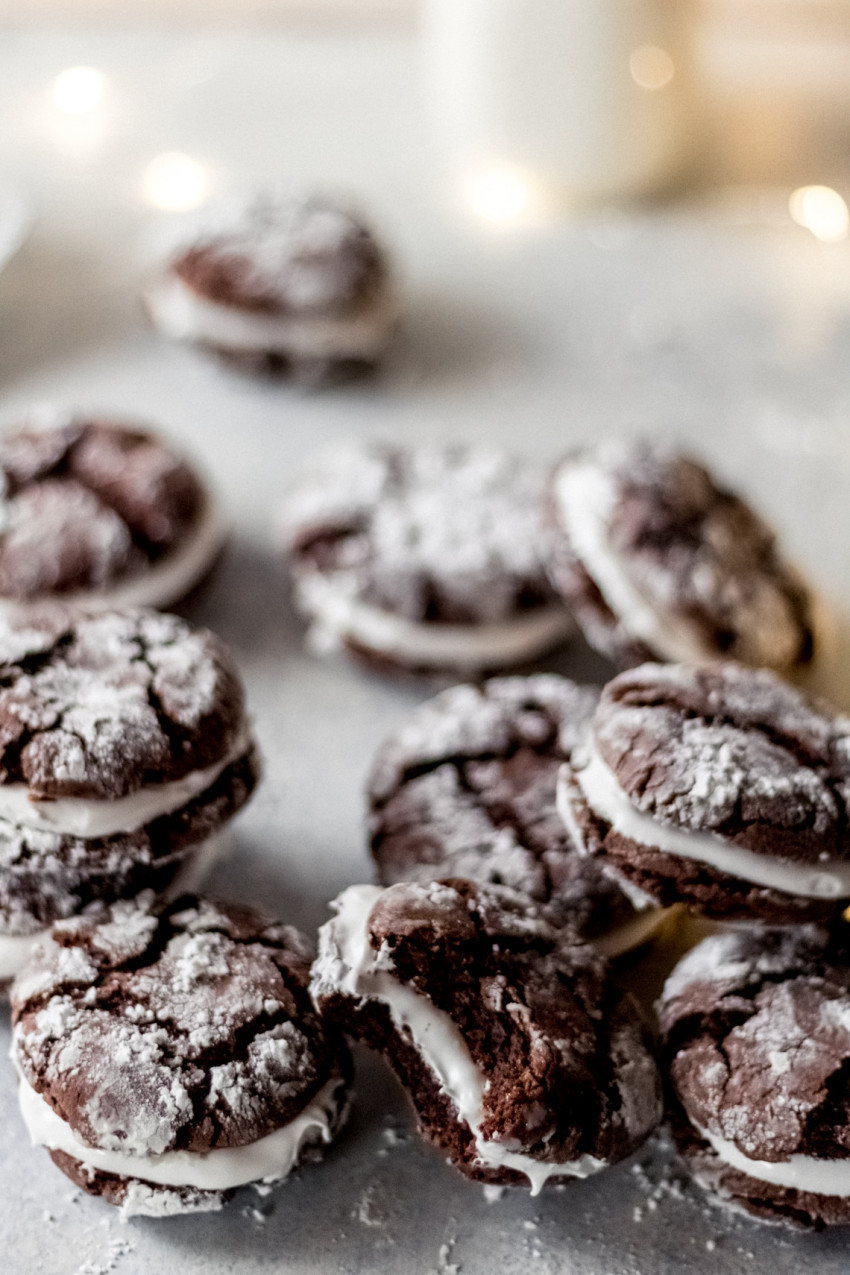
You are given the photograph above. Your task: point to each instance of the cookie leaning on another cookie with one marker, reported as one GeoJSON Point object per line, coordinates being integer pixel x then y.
{"type": "Point", "coordinates": [465, 787]}
{"type": "Point", "coordinates": [658, 561]}
{"type": "Point", "coordinates": [125, 749]}
{"type": "Point", "coordinates": [168, 1057]}
{"type": "Point", "coordinates": [99, 513]}
{"type": "Point", "coordinates": [422, 560]}
{"type": "Point", "coordinates": [721, 787]}
{"type": "Point", "coordinates": [524, 1064]}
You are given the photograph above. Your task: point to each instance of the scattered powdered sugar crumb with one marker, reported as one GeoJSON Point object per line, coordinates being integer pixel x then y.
{"type": "Point", "coordinates": [368, 1210]}
{"type": "Point", "coordinates": [117, 1247]}
{"type": "Point", "coordinates": [493, 1193]}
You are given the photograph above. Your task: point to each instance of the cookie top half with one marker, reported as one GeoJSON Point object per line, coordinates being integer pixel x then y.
{"type": "Point", "coordinates": [659, 561]}
{"type": "Point", "coordinates": [723, 770]}
{"type": "Point", "coordinates": [98, 508]}
{"type": "Point", "coordinates": [189, 1029]}
{"type": "Point", "coordinates": [271, 255]}
{"type": "Point", "coordinates": [466, 787]}
{"type": "Point", "coordinates": [97, 707]}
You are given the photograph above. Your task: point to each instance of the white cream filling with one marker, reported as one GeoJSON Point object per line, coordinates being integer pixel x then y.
{"type": "Point", "coordinates": [156, 586]}
{"type": "Point", "coordinates": [798, 1172]}
{"type": "Point", "coordinates": [88, 818]}
{"type": "Point", "coordinates": [586, 498]}
{"type": "Point", "coordinates": [356, 968]}
{"type": "Point", "coordinates": [15, 949]}
{"type": "Point", "coordinates": [829, 880]}
{"type": "Point", "coordinates": [337, 616]}
{"type": "Point", "coordinates": [267, 1160]}
{"type": "Point", "coordinates": [185, 315]}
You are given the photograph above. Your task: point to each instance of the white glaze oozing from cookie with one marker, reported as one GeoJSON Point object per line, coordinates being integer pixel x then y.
{"type": "Point", "coordinates": [269, 1159]}
{"type": "Point", "coordinates": [586, 497]}
{"type": "Point", "coordinates": [89, 818]}
{"type": "Point", "coordinates": [607, 800]}
{"type": "Point", "coordinates": [185, 315]}
{"type": "Point", "coordinates": [337, 617]}
{"type": "Point", "coordinates": [348, 963]}
{"type": "Point", "coordinates": [797, 1173]}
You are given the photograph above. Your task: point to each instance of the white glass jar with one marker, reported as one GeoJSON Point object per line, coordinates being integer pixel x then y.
{"type": "Point", "coordinates": [584, 98]}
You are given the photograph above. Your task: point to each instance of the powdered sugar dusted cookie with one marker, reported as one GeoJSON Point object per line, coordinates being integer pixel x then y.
{"type": "Point", "coordinates": [425, 559]}
{"type": "Point", "coordinates": [757, 1039]}
{"type": "Point", "coordinates": [722, 787]}
{"type": "Point", "coordinates": [98, 513]}
{"type": "Point", "coordinates": [274, 284]}
{"type": "Point", "coordinates": [124, 751]}
{"type": "Point", "coordinates": [466, 788]}
{"type": "Point", "coordinates": [659, 562]}
{"type": "Point", "coordinates": [523, 1063]}
{"type": "Point", "coordinates": [166, 1058]}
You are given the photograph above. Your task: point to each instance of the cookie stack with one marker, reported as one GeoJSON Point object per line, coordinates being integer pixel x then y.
{"type": "Point", "coordinates": [126, 750]}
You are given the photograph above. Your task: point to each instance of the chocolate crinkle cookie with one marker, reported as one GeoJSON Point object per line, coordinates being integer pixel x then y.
{"type": "Point", "coordinates": [168, 1057]}
{"type": "Point", "coordinates": [524, 1064]}
{"type": "Point", "coordinates": [657, 561]}
{"type": "Point", "coordinates": [720, 786]}
{"type": "Point", "coordinates": [424, 559]}
{"type": "Point", "coordinates": [124, 751]}
{"type": "Point", "coordinates": [99, 513]}
{"type": "Point", "coordinates": [276, 284]}
{"type": "Point", "coordinates": [756, 1028]}
{"type": "Point", "coordinates": [466, 787]}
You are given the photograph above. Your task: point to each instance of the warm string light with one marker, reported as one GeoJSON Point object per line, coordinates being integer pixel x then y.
{"type": "Point", "coordinates": [78, 90]}
{"type": "Point", "coordinates": [821, 210]}
{"type": "Point", "coordinates": [500, 195]}
{"type": "Point", "coordinates": [175, 182]}
{"type": "Point", "coordinates": [651, 67]}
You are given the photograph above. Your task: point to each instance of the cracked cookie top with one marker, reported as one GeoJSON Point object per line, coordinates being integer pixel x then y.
{"type": "Point", "coordinates": [466, 788]}
{"type": "Point", "coordinates": [276, 256]}
{"type": "Point", "coordinates": [757, 1037]}
{"type": "Point", "coordinates": [444, 533]}
{"type": "Point", "coordinates": [660, 562]}
{"type": "Point", "coordinates": [729, 750]}
{"type": "Point", "coordinates": [86, 503]}
{"type": "Point", "coordinates": [98, 705]}
{"type": "Point", "coordinates": [188, 1029]}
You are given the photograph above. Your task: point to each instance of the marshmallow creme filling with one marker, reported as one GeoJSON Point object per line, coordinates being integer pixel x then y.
{"type": "Point", "coordinates": [356, 968]}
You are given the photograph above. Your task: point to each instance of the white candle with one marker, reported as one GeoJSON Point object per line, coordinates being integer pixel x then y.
{"type": "Point", "coordinates": [579, 98]}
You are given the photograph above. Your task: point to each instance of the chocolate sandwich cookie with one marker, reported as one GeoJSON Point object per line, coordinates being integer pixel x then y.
{"type": "Point", "coordinates": [466, 787]}
{"type": "Point", "coordinates": [168, 1057]}
{"type": "Point", "coordinates": [524, 1064]}
{"type": "Point", "coordinates": [98, 513]}
{"type": "Point", "coordinates": [424, 559]}
{"type": "Point", "coordinates": [124, 751]}
{"type": "Point", "coordinates": [756, 1030]}
{"type": "Point", "coordinates": [657, 561]}
{"type": "Point", "coordinates": [720, 786]}
{"type": "Point", "coordinates": [294, 286]}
